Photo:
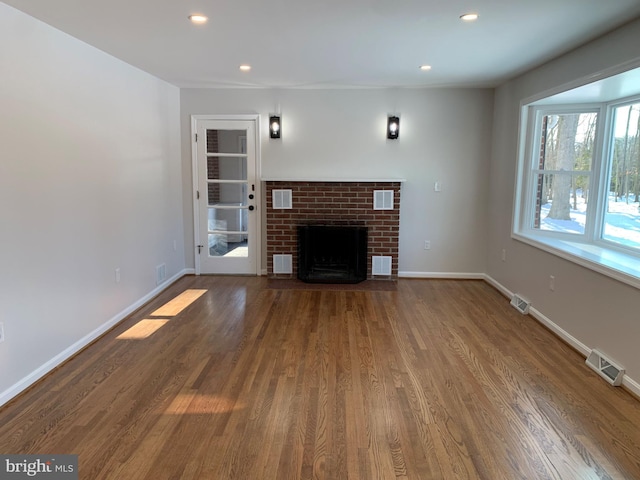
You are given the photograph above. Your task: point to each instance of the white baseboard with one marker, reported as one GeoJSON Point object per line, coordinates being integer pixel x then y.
{"type": "Point", "coordinates": [56, 361]}
{"type": "Point", "coordinates": [538, 315]}
{"type": "Point", "coordinates": [498, 286]}
{"type": "Point", "coordinates": [563, 334]}
{"type": "Point", "coordinates": [630, 384]}
{"type": "Point", "coordinates": [444, 275]}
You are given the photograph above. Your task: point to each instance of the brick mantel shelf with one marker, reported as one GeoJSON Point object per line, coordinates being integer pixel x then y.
{"type": "Point", "coordinates": [333, 180]}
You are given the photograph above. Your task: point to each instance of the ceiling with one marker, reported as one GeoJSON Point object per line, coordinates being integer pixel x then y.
{"type": "Point", "coordinates": [333, 43]}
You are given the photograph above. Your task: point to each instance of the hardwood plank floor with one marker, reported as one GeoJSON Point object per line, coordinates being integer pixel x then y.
{"type": "Point", "coordinates": [237, 379]}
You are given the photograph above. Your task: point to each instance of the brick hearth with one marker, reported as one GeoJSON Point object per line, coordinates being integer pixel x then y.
{"type": "Point", "coordinates": [333, 203]}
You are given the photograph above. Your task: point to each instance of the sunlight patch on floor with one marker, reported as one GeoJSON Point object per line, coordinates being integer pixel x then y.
{"type": "Point", "coordinates": [179, 303]}
{"type": "Point", "coordinates": [147, 327]}
{"type": "Point", "coordinates": [194, 403]}
{"type": "Point", "coordinates": [143, 329]}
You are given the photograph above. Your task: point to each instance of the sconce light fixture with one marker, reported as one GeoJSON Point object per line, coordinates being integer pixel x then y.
{"type": "Point", "coordinates": [393, 127]}
{"type": "Point", "coordinates": [275, 126]}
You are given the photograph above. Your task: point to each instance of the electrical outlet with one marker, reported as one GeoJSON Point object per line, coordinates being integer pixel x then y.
{"type": "Point", "coordinates": [175, 245]}
{"type": "Point", "coordinates": [552, 283]}
{"type": "Point", "coordinates": [427, 244]}
{"type": "Point", "coordinates": [437, 187]}
{"type": "Point", "coordinates": [504, 255]}
{"type": "Point", "coordinates": [1, 332]}
{"type": "Point", "coordinates": [117, 275]}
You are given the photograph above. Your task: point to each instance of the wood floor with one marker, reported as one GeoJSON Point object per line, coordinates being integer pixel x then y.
{"type": "Point", "coordinates": [240, 379]}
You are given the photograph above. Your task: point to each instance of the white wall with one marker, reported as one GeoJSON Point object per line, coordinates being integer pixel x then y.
{"type": "Point", "coordinates": [90, 180]}
{"type": "Point", "coordinates": [445, 135]}
{"type": "Point", "coordinates": [596, 310]}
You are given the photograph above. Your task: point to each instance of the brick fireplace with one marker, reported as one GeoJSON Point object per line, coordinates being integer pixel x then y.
{"type": "Point", "coordinates": [339, 203]}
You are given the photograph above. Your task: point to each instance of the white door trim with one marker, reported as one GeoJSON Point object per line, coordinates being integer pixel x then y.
{"type": "Point", "coordinates": [255, 118]}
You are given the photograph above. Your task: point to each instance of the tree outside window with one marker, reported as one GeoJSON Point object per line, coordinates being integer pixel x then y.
{"type": "Point", "coordinates": [622, 216]}
{"type": "Point", "coordinates": [564, 171]}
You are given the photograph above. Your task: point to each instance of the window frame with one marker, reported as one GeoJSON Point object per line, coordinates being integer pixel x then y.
{"type": "Point", "coordinates": [589, 249]}
{"type": "Point", "coordinates": [531, 171]}
{"type": "Point", "coordinates": [608, 170]}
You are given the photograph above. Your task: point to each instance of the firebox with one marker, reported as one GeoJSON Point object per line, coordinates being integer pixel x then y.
{"type": "Point", "coordinates": [332, 254]}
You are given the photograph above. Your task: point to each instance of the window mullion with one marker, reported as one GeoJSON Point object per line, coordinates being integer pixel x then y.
{"type": "Point", "coordinates": [600, 180]}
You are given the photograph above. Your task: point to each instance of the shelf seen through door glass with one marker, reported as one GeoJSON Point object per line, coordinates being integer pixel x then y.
{"type": "Point", "coordinates": [226, 141]}
{"type": "Point", "coordinates": [227, 220]}
{"type": "Point", "coordinates": [227, 168]}
{"type": "Point", "coordinates": [227, 194]}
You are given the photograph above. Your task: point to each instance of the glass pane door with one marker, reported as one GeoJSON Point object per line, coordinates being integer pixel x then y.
{"type": "Point", "coordinates": [227, 198]}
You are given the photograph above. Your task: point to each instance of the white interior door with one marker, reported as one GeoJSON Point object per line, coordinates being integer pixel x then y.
{"type": "Point", "coordinates": [226, 196]}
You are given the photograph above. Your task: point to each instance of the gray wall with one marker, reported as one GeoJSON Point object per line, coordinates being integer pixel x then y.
{"type": "Point", "coordinates": [594, 309]}
{"type": "Point", "coordinates": [340, 133]}
{"type": "Point", "coordinates": [90, 181]}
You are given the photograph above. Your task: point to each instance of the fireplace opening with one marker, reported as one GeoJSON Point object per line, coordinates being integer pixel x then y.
{"type": "Point", "coordinates": [332, 254]}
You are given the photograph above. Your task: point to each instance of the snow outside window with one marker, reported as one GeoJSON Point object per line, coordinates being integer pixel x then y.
{"type": "Point", "coordinates": [622, 208]}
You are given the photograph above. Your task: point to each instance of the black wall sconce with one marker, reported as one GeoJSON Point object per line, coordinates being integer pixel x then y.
{"type": "Point", "coordinates": [393, 127]}
{"type": "Point", "coordinates": [275, 126]}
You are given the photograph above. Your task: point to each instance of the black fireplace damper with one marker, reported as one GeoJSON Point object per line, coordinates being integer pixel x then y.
{"type": "Point", "coordinates": [332, 254]}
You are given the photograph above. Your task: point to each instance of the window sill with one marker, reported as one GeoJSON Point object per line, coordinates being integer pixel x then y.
{"type": "Point", "coordinates": [612, 263]}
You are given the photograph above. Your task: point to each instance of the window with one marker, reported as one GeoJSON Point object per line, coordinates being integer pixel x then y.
{"type": "Point", "coordinates": [578, 192]}
{"type": "Point", "coordinates": [622, 208]}
{"type": "Point", "coordinates": [562, 175]}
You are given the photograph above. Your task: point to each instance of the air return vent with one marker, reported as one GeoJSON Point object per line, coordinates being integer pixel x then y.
{"type": "Point", "coordinates": [380, 265]}
{"type": "Point", "coordinates": [282, 264]}
{"type": "Point", "coordinates": [282, 199]}
{"type": "Point", "coordinates": [161, 273]}
{"type": "Point", "coordinates": [605, 367]}
{"type": "Point", "coordinates": [383, 199]}
{"type": "Point", "coordinates": [520, 304]}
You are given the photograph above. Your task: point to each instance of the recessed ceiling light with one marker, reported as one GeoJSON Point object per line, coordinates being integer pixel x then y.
{"type": "Point", "coordinates": [425, 68]}
{"type": "Point", "coordinates": [245, 68]}
{"type": "Point", "coordinates": [198, 19]}
{"type": "Point", "coordinates": [469, 17]}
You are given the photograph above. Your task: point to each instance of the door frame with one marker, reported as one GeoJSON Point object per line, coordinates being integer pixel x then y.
{"type": "Point", "coordinates": [255, 118]}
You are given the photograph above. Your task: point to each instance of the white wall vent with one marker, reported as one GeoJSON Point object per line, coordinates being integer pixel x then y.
{"type": "Point", "coordinates": [383, 199]}
{"type": "Point", "coordinates": [282, 199]}
{"type": "Point", "coordinates": [161, 273]}
{"type": "Point", "coordinates": [381, 265]}
{"type": "Point", "coordinates": [605, 367]}
{"type": "Point", "coordinates": [282, 264]}
{"type": "Point", "coordinates": [520, 304]}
